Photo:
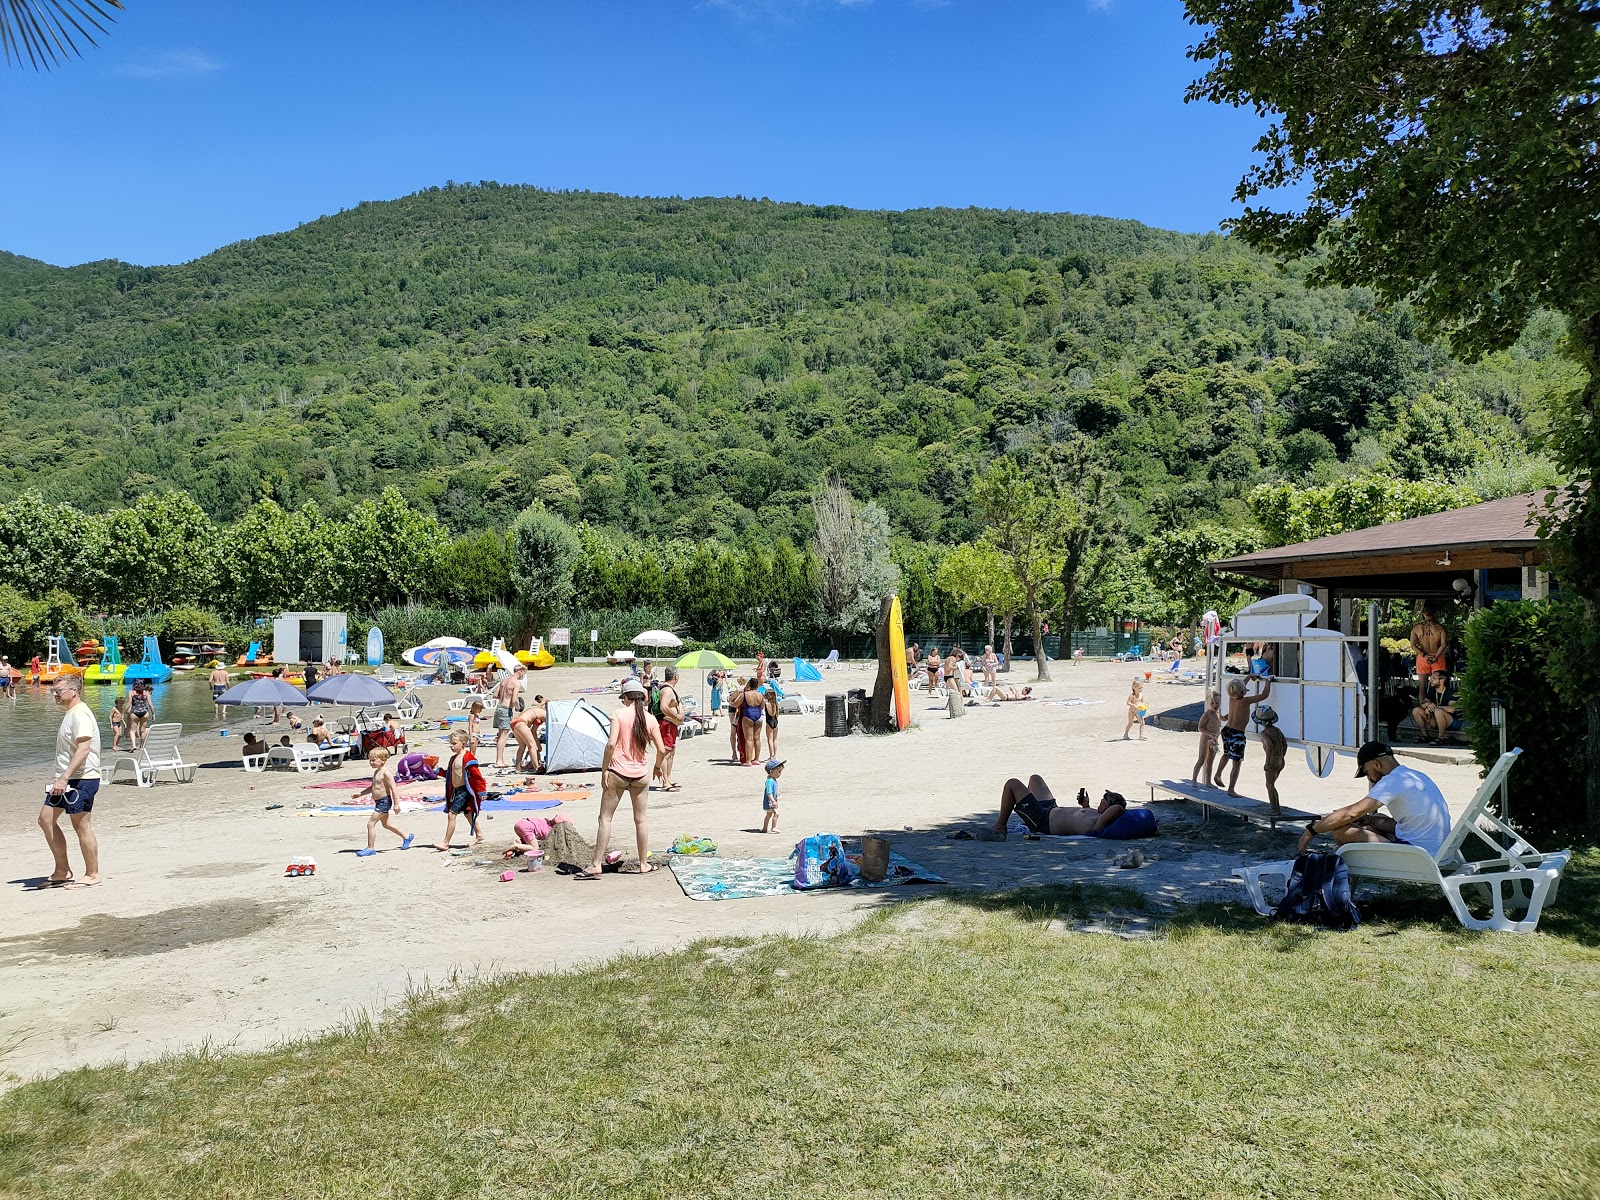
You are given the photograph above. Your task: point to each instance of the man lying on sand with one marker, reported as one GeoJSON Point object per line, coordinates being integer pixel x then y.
{"type": "Point", "coordinates": [1036, 805]}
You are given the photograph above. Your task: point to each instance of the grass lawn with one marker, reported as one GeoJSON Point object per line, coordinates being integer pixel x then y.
{"type": "Point", "coordinates": [948, 1047]}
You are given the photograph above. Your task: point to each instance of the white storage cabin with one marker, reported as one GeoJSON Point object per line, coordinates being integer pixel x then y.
{"type": "Point", "coordinates": [316, 637]}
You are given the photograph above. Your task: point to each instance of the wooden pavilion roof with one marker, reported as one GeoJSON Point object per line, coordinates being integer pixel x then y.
{"type": "Point", "coordinates": [1497, 533]}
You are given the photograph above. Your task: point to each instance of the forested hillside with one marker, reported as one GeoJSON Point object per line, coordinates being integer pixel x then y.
{"type": "Point", "coordinates": [692, 367]}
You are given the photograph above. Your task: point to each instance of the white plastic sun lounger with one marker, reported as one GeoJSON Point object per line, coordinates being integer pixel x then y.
{"type": "Point", "coordinates": [1516, 879]}
{"type": "Point", "coordinates": [159, 753]}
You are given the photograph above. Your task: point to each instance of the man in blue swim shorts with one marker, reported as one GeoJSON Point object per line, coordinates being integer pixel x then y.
{"type": "Point", "coordinates": [76, 781]}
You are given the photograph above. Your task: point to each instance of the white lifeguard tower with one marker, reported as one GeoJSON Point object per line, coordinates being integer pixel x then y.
{"type": "Point", "coordinates": [1324, 684]}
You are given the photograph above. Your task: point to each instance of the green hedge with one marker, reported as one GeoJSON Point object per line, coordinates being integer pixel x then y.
{"type": "Point", "coordinates": [1513, 652]}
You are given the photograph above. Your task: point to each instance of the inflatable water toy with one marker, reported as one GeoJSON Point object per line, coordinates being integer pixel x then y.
{"type": "Point", "coordinates": [110, 668]}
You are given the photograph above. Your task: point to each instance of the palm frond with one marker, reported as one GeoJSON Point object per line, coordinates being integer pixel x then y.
{"type": "Point", "coordinates": [44, 32]}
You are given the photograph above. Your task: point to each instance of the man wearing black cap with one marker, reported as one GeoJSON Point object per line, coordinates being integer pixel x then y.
{"type": "Point", "coordinates": [1419, 815]}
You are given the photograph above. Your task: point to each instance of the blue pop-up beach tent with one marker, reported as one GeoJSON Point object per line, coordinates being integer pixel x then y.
{"type": "Point", "coordinates": [804, 672]}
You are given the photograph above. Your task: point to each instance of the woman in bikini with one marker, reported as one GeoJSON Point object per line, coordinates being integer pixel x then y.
{"type": "Point", "coordinates": [934, 668]}
{"type": "Point", "coordinates": [622, 769]}
{"type": "Point", "coordinates": [525, 728]}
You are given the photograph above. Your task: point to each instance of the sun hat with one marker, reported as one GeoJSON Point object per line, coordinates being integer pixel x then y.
{"type": "Point", "coordinates": [1369, 752]}
{"type": "Point", "coordinates": [633, 688]}
{"type": "Point", "coordinates": [1266, 714]}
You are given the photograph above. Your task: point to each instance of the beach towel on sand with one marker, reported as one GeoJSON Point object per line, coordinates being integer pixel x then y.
{"type": "Point", "coordinates": [709, 877]}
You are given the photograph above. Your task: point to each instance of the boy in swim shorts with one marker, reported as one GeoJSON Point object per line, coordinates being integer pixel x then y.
{"type": "Point", "coordinates": [464, 789]}
{"type": "Point", "coordinates": [384, 798]}
{"type": "Point", "coordinates": [1239, 706]}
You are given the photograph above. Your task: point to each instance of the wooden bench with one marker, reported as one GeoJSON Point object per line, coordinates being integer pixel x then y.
{"type": "Point", "coordinates": [1245, 807]}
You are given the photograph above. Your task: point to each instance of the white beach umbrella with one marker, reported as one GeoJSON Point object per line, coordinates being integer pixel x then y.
{"type": "Point", "coordinates": [658, 638]}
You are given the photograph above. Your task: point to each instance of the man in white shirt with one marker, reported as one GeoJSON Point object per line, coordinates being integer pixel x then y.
{"type": "Point", "coordinates": [1418, 815]}
{"type": "Point", "coordinates": [76, 781]}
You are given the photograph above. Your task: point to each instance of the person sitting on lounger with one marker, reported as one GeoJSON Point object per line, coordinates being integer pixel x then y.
{"type": "Point", "coordinates": [1036, 805]}
{"type": "Point", "coordinates": [1418, 813]}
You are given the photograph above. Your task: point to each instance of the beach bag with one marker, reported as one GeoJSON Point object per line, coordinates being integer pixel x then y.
{"type": "Point", "coordinates": [1319, 893]}
{"type": "Point", "coordinates": [819, 862]}
{"type": "Point", "coordinates": [655, 700]}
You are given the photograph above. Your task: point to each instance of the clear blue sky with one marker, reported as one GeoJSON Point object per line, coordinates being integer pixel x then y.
{"type": "Point", "coordinates": [197, 123]}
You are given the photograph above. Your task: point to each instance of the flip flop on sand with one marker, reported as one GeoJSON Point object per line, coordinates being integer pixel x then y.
{"type": "Point", "coordinates": [46, 885]}
{"type": "Point", "coordinates": [586, 875]}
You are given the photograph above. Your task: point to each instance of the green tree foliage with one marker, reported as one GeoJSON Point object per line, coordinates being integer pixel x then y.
{"type": "Point", "coordinates": [477, 570]}
{"type": "Point", "coordinates": [854, 568]}
{"type": "Point", "coordinates": [546, 552]}
{"type": "Point", "coordinates": [25, 623]}
{"type": "Point", "coordinates": [1024, 529]}
{"type": "Point", "coordinates": [979, 576]}
{"type": "Point", "coordinates": [1291, 513]}
{"type": "Point", "coordinates": [44, 545]}
{"type": "Point", "coordinates": [273, 559]}
{"type": "Point", "coordinates": [1178, 563]}
{"type": "Point", "coordinates": [161, 551]}
{"type": "Point", "coordinates": [677, 369]}
{"type": "Point", "coordinates": [1513, 652]}
{"type": "Point", "coordinates": [1351, 379]}
{"type": "Point", "coordinates": [387, 551]}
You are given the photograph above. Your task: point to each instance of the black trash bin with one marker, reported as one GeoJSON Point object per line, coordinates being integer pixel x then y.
{"type": "Point", "coordinates": [835, 722]}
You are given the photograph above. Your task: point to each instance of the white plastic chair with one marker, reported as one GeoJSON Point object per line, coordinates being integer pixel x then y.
{"type": "Point", "coordinates": [1518, 879]}
{"type": "Point", "coordinates": [255, 763]}
{"type": "Point", "coordinates": [159, 753]}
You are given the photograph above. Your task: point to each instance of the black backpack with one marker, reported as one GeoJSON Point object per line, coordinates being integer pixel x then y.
{"type": "Point", "coordinates": [1319, 893]}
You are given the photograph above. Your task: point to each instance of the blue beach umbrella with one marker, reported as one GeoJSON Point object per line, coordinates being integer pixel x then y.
{"type": "Point", "coordinates": [352, 691]}
{"type": "Point", "coordinates": [262, 693]}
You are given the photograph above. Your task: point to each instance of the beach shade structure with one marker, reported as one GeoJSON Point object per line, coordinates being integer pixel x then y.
{"type": "Point", "coordinates": [264, 693]}
{"type": "Point", "coordinates": [703, 661]}
{"type": "Point", "coordinates": [575, 736]}
{"type": "Point", "coordinates": [805, 672]}
{"type": "Point", "coordinates": [352, 691]}
{"type": "Point", "coordinates": [658, 639]}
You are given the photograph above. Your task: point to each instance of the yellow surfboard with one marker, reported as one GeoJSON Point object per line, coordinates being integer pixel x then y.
{"type": "Point", "coordinates": [897, 665]}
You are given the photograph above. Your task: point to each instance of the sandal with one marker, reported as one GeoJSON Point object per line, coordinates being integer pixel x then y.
{"type": "Point", "coordinates": [585, 874]}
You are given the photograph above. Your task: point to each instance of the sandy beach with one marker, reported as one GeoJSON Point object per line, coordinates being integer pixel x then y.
{"type": "Point", "coordinates": [197, 937]}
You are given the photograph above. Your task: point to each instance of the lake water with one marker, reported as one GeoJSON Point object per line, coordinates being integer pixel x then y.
{"type": "Point", "coordinates": [28, 724]}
